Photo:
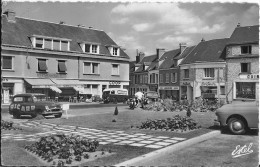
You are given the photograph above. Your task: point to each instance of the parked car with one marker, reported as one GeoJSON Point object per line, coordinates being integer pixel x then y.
{"type": "Point", "coordinates": [33, 104]}
{"type": "Point", "coordinates": [238, 116]}
{"type": "Point", "coordinates": [151, 96]}
{"type": "Point", "coordinates": [115, 95]}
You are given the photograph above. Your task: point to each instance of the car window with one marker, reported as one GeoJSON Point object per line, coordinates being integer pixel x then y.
{"type": "Point", "coordinates": [18, 99]}
{"type": "Point", "coordinates": [28, 99]}
{"type": "Point", "coordinates": [39, 98]}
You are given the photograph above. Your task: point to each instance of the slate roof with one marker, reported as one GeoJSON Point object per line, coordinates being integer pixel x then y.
{"type": "Point", "coordinates": [132, 66]}
{"type": "Point", "coordinates": [151, 58]}
{"type": "Point", "coordinates": [243, 35]}
{"type": "Point", "coordinates": [153, 66]}
{"type": "Point", "coordinates": [207, 51]}
{"type": "Point", "coordinates": [167, 58]}
{"type": "Point", "coordinates": [184, 53]}
{"type": "Point", "coordinates": [18, 33]}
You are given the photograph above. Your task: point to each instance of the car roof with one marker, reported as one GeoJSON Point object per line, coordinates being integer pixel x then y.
{"type": "Point", "coordinates": [29, 94]}
{"type": "Point", "coordinates": [109, 89]}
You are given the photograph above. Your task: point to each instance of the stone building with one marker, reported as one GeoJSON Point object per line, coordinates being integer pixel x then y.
{"type": "Point", "coordinates": [58, 59]}
{"type": "Point", "coordinates": [202, 72]}
{"type": "Point", "coordinates": [242, 61]}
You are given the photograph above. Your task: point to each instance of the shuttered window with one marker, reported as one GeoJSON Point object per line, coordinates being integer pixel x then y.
{"type": "Point", "coordinates": [64, 45]}
{"type": "Point", "coordinates": [87, 48]}
{"type": "Point", "coordinates": [56, 45]}
{"type": "Point", "coordinates": [39, 43]}
{"type": "Point", "coordinates": [61, 66]}
{"type": "Point", "coordinates": [209, 72]}
{"type": "Point", "coordinates": [42, 66]}
{"type": "Point", "coordinates": [48, 43]}
{"type": "Point", "coordinates": [115, 69]}
{"type": "Point", "coordinates": [7, 62]}
{"type": "Point", "coordinates": [87, 68]}
{"type": "Point", "coordinates": [95, 68]}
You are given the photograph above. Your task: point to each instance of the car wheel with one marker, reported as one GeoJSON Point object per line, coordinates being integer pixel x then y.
{"type": "Point", "coordinates": [237, 126]}
{"type": "Point", "coordinates": [58, 116]}
{"type": "Point", "coordinates": [16, 115]}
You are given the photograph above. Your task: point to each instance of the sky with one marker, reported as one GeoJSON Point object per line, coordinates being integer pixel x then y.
{"type": "Point", "coordinates": [146, 26]}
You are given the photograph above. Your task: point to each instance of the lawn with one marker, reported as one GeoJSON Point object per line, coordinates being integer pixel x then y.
{"type": "Point", "coordinates": [13, 152]}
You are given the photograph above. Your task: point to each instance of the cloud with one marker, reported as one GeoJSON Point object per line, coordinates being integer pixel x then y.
{"type": "Point", "coordinates": [142, 27]}
{"type": "Point", "coordinates": [175, 39]}
{"type": "Point", "coordinates": [214, 10]}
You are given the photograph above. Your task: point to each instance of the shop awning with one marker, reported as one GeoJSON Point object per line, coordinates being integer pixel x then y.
{"type": "Point", "coordinates": [76, 88]}
{"type": "Point", "coordinates": [40, 82]}
{"type": "Point", "coordinates": [66, 82]}
{"type": "Point", "coordinates": [55, 89]}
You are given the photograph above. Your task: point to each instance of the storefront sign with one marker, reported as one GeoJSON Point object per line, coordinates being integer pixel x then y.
{"type": "Point", "coordinates": [208, 84]}
{"type": "Point", "coordinates": [114, 82]}
{"type": "Point", "coordinates": [185, 83]}
{"type": "Point", "coordinates": [169, 87]}
{"type": "Point", "coordinates": [253, 76]}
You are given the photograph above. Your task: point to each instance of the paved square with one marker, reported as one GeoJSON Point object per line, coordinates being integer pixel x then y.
{"type": "Point", "coordinates": [137, 144]}
{"type": "Point", "coordinates": [154, 146]}
{"type": "Point", "coordinates": [178, 138]}
{"type": "Point", "coordinates": [170, 141]}
{"type": "Point", "coordinates": [163, 143]}
{"type": "Point", "coordinates": [147, 142]}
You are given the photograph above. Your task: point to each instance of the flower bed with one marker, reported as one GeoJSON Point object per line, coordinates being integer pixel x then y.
{"type": "Point", "coordinates": [177, 123]}
{"type": "Point", "coordinates": [199, 105]}
{"type": "Point", "coordinates": [6, 125]}
{"type": "Point", "coordinates": [64, 150]}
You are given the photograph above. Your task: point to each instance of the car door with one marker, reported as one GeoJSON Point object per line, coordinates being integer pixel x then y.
{"type": "Point", "coordinates": [16, 104]}
{"type": "Point", "coordinates": [26, 106]}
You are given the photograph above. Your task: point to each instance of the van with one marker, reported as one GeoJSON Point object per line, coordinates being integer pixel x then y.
{"type": "Point", "coordinates": [115, 95]}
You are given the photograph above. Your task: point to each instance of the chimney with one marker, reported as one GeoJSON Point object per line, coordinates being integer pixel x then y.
{"type": "Point", "coordinates": [137, 58]}
{"type": "Point", "coordinates": [159, 52]}
{"type": "Point", "coordinates": [238, 24]}
{"type": "Point", "coordinates": [183, 46]}
{"type": "Point", "coordinates": [202, 40]}
{"type": "Point", "coordinates": [141, 55]}
{"type": "Point", "coordinates": [10, 14]}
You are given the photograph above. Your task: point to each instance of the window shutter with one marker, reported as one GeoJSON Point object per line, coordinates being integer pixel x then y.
{"type": "Point", "coordinates": [87, 68]}
{"type": "Point", "coordinates": [7, 62]}
{"type": "Point", "coordinates": [47, 43]}
{"type": "Point", "coordinates": [42, 66]}
{"type": "Point", "coordinates": [64, 45]}
{"type": "Point", "coordinates": [62, 66]}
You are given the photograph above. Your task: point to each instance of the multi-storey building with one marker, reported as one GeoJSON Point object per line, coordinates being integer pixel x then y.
{"type": "Point", "coordinates": [203, 71]}
{"type": "Point", "coordinates": [58, 59]}
{"type": "Point", "coordinates": [242, 58]}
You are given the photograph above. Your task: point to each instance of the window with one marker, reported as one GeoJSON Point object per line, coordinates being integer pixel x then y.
{"type": "Point", "coordinates": [146, 79]}
{"type": "Point", "coordinates": [161, 78]}
{"type": "Point", "coordinates": [48, 43]}
{"type": "Point", "coordinates": [7, 63]}
{"type": "Point", "coordinates": [246, 49]}
{"type": "Point", "coordinates": [222, 90]}
{"type": "Point", "coordinates": [42, 66]}
{"type": "Point", "coordinates": [91, 68]}
{"type": "Point", "coordinates": [64, 45]}
{"type": "Point", "coordinates": [173, 77]}
{"type": "Point", "coordinates": [94, 48]}
{"type": "Point", "coordinates": [115, 69]}
{"type": "Point", "coordinates": [115, 51]}
{"type": "Point", "coordinates": [186, 73]}
{"type": "Point", "coordinates": [61, 66]}
{"type": "Point", "coordinates": [245, 67]}
{"type": "Point", "coordinates": [56, 45]}
{"type": "Point", "coordinates": [167, 78]}
{"type": "Point", "coordinates": [209, 73]}
{"type": "Point", "coordinates": [87, 48]}
{"type": "Point", "coordinates": [39, 42]}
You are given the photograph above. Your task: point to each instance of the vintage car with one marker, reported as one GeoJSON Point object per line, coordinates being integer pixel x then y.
{"type": "Point", "coordinates": [239, 116]}
{"type": "Point", "coordinates": [151, 96]}
{"type": "Point", "coordinates": [33, 104]}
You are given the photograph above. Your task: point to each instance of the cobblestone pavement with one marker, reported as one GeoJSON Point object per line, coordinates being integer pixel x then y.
{"type": "Point", "coordinates": [103, 136]}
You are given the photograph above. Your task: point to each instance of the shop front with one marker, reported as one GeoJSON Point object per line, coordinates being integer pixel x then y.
{"type": "Point", "coordinates": [246, 87]}
{"type": "Point", "coordinates": [170, 92]}
{"type": "Point", "coordinates": [153, 87]}
{"type": "Point", "coordinates": [186, 92]}
{"type": "Point", "coordinates": [43, 86]}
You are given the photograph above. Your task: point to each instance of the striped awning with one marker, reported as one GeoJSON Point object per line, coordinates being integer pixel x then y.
{"type": "Point", "coordinates": [55, 89]}
{"type": "Point", "coordinates": [40, 82]}
{"type": "Point", "coordinates": [66, 82]}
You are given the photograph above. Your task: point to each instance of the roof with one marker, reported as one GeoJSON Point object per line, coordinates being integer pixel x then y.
{"type": "Point", "coordinates": [153, 66]}
{"type": "Point", "coordinates": [131, 66]}
{"type": "Point", "coordinates": [184, 53]}
{"type": "Point", "coordinates": [151, 58]}
{"type": "Point", "coordinates": [207, 51]}
{"type": "Point", "coordinates": [167, 58]}
{"type": "Point", "coordinates": [242, 35]}
{"type": "Point", "coordinates": [18, 33]}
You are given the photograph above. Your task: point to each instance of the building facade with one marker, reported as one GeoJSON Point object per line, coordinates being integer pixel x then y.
{"type": "Point", "coordinates": [202, 72]}
{"type": "Point", "coordinates": [242, 58]}
{"type": "Point", "coordinates": [58, 59]}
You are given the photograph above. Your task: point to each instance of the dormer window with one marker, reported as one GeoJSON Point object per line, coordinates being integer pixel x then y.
{"type": "Point", "coordinates": [90, 48]}
{"type": "Point", "coordinates": [43, 42]}
{"type": "Point", "coordinates": [115, 51]}
{"type": "Point", "coordinates": [246, 49]}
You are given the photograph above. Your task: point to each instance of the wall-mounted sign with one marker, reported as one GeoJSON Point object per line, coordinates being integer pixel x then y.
{"type": "Point", "coordinates": [186, 83]}
{"type": "Point", "coordinates": [249, 76]}
{"type": "Point", "coordinates": [114, 82]}
{"type": "Point", "coordinates": [169, 87]}
{"type": "Point", "coordinates": [208, 84]}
